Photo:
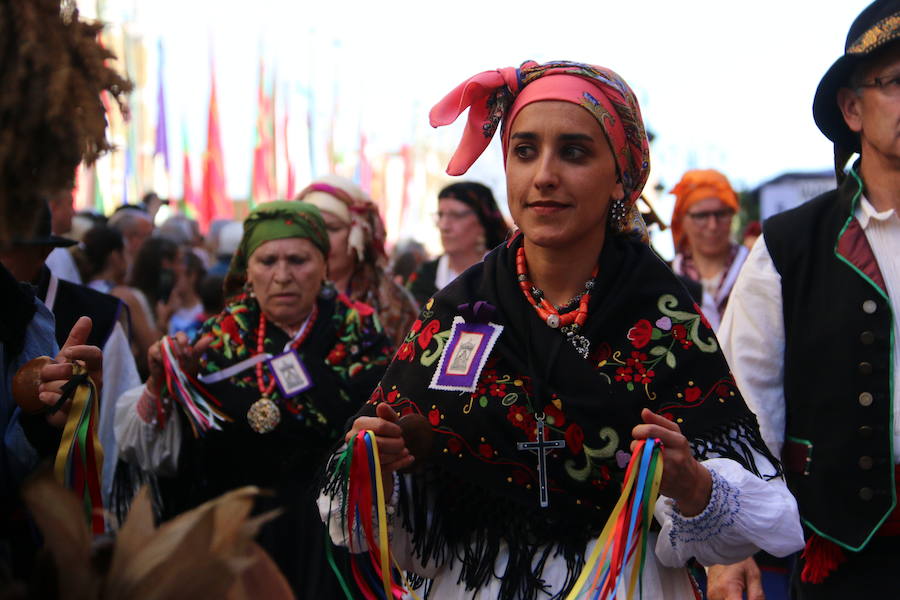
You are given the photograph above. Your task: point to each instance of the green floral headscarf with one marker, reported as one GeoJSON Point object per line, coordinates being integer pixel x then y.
{"type": "Point", "coordinates": [275, 221]}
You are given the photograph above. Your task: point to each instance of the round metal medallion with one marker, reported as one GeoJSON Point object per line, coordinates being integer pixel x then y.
{"type": "Point", "coordinates": [263, 416]}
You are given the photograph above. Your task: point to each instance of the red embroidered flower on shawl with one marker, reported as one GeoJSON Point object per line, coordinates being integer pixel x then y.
{"type": "Point", "coordinates": [428, 332]}
{"type": "Point", "coordinates": [639, 335]}
{"type": "Point", "coordinates": [575, 438]}
{"type": "Point", "coordinates": [337, 354]}
{"type": "Point", "coordinates": [405, 352]}
{"type": "Point", "coordinates": [229, 326]}
{"type": "Point", "coordinates": [486, 451]}
{"type": "Point", "coordinates": [454, 445]}
{"type": "Point", "coordinates": [521, 418]}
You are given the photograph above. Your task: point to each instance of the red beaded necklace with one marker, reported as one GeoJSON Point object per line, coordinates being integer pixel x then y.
{"type": "Point", "coordinates": [267, 389]}
{"type": "Point", "coordinates": [544, 308]}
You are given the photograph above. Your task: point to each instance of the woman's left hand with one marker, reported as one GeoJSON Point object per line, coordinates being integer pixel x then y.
{"type": "Point", "coordinates": [684, 479]}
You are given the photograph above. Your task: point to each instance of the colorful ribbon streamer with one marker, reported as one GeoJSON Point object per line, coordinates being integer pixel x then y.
{"type": "Point", "coordinates": [79, 460]}
{"type": "Point", "coordinates": [363, 492]}
{"type": "Point", "coordinates": [200, 407]}
{"type": "Point", "coordinates": [624, 537]}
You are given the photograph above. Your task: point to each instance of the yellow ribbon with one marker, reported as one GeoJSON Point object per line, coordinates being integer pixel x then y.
{"type": "Point", "coordinates": [383, 543]}
{"type": "Point", "coordinates": [84, 395]}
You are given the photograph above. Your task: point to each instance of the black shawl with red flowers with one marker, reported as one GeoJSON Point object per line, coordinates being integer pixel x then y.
{"type": "Point", "coordinates": [650, 347]}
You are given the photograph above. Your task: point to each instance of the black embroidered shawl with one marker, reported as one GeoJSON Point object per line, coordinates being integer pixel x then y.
{"type": "Point", "coordinates": [650, 347]}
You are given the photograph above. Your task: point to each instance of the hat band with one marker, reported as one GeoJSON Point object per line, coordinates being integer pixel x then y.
{"type": "Point", "coordinates": [878, 35]}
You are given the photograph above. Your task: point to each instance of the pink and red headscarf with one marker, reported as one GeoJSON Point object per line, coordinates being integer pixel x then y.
{"type": "Point", "coordinates": [495, 97]}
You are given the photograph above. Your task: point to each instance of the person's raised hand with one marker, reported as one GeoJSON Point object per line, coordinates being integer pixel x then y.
{"type": "Point", "coordinates": [684, 479]}
{"type": "Point", "coordinates": [187, 355]}
{"type": "Point", "coordinates": [55, 375]}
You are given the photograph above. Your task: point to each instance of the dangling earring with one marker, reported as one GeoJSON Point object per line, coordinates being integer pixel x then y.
{"type": "Point", "coordinates": [327, 291]}
{"type": "Point", "coordinates": [248, 289]}
{"type": "Point", "coordinates": [617, 212]}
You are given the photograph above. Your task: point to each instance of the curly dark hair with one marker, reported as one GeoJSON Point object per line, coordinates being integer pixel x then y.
{"type": "Point", "coordinates": [52, 75]}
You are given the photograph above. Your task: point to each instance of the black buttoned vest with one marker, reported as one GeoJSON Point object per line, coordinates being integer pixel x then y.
{"type": "Point", "coordinates": [837, 367]}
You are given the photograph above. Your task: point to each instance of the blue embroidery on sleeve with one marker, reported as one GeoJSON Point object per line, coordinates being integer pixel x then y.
{"type": "Point", "coordinates": [724, 504]}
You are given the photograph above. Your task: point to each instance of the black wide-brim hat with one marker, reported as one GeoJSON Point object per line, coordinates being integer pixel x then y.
{"type": "Point", "coordinates": [42, 235]}
{"type": "Point", "coordinates": [876, 26]}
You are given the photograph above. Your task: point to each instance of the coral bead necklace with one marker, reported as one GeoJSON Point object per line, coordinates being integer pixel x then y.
{"type": "Point", "coordinates": [264, 414]}
{"type": "Point", "coordinates": [570, 322]}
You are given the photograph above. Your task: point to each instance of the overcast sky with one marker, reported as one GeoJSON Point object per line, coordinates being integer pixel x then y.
{"type": "Point", "coordinates": [722, 84]}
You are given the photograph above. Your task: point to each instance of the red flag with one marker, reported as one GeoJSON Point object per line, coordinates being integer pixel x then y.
{"type": "Point", "coordinates": [214, 201]}
{"type": "Point", "coordinates": [291, 174]}
{"type": "Point", "coordinates": [263, 187]}
{"type": "Point", "coordinates": [189, 205]}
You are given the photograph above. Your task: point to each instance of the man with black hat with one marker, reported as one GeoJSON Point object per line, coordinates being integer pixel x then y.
{"type": "Point", "coordinates": [810, 332]}
{"type": "Point", "coordinates": [68, 302]}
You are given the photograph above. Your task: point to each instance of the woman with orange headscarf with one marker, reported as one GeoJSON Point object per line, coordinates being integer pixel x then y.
{"type": "Point", "coordinates": [701, 227]}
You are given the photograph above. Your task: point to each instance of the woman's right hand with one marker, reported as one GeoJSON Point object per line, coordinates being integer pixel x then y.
{"type": "Point", "coordinates": [187, 356]}
{"type": "Point", "coordinates": [392, 451]}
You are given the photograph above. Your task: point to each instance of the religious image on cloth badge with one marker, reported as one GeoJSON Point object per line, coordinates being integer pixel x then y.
{"type": "Point", "coordinates": [465, 355]}
{"type": "Point", "coordinates": [290, 373]}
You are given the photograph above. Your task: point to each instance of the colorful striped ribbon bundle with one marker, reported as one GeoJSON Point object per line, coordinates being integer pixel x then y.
{"type": "Point", "coordinates": [79, 460]}
{"type": "Point", "coordinates": [620, 548]}
{"type": "Point", "coordinates": [623, 542]}
{"type": "Point", "coordinates": [200, 407]}
{"type": "Point", "coordinates": [360, 466]}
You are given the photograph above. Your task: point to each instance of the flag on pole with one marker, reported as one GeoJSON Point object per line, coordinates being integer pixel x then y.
{"type": "Point", "coordinates": [364, 167]}
{"type": "Point", "coordinates": [289, 167]}
{"type": "Point", "coordinates": [214, 202]}
{"type": "Point", "coordinates": [189, 202]}
{"type": "Point", "coordinates": [161, 150]}
{"type": "Point", "coordinates": [263, 186]}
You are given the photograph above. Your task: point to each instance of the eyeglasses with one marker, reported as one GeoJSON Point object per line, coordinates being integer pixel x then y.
{"type": "Point", "coordinates": [703, 216]}
{"type": "Point", "coordinates": [890, 85]}
{"type": "Point", "coordinates": [451, 215]}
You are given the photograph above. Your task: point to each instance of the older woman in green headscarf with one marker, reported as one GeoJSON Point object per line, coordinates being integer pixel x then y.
{"type": "Point", "coordinates": [284, 366]}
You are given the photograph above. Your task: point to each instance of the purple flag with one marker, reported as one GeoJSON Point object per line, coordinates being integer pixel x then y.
{"type": "Point", "coordinates": [162, 141]}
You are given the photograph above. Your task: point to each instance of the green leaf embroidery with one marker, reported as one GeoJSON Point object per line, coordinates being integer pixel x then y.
{"type": "Point", "coordinates": [430, 356]}
{"type": "Point", "coordinates": [670, 360]}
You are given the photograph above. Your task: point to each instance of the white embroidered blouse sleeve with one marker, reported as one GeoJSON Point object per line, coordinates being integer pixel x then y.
{"type": "Point", "coordinates": [143, 444]}
{"type": "Point", "coordinates": [752, 339]}
{"type": "Point", "coordinates": [745, 514]}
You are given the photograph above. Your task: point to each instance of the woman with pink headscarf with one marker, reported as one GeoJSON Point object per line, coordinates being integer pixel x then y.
{"type": "Point", "coordinates": [701, 228]}
{"type": "Point", "coordinates": [574, 331]}
{"type": "Point", "coordinates": [356, 264]}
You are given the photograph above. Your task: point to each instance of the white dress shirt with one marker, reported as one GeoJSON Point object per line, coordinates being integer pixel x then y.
{"type": "Point", "coordinates": [752, 330]}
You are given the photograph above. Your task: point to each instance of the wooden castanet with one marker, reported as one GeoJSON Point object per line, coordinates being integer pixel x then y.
{"type": "Point", "coordinates": [418, 436]}
{"type": "Point", "coordinates": [26, 384]}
